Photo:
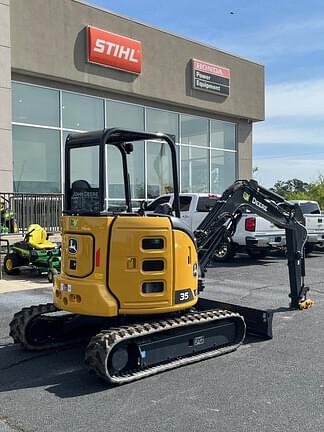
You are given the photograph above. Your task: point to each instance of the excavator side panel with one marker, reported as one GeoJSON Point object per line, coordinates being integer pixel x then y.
{"type": "Point", "coordinates": [146, 260]}
{"type": "Point", "coordinates": [81, 287]}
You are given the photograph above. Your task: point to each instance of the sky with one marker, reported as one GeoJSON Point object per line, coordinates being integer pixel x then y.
{"type": "Point", "coordinates": [287, 37]}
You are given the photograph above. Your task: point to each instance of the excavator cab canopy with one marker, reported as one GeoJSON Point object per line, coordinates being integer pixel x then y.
{"type": "Point", "coordinates": [88, 165]}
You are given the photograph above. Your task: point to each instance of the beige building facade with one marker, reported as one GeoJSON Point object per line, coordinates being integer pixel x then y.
{"type": "Point", "coordinates": [69, 66]}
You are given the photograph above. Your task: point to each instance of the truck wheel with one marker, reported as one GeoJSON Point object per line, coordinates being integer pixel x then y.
{"type": "Point", "coordinates": [10, 264]}
{"type": "Point", "coordinates": [225, 251]}
{"type": "Point", "coordinates": [319, 247]}
{"type": "Point", "coordinates": [309, 248]}
{"type": "Point", "coordinates": [257, 253]}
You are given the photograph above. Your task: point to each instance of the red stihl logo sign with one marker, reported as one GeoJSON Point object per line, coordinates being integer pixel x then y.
{"type": "Point", "coordinates": [112, 50]}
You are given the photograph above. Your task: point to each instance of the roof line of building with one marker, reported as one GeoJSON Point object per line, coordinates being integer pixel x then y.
{"type": "Point", "coordinates": [85, 3]}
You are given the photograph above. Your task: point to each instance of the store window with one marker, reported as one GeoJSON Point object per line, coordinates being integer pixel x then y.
{"type": "Point", "coordinates": [81, 112]}
{"type": "Point", "coordinates": [124, 115]}
{"type": "Point", "coordinates": [37, 159]}
{"type": "Point", "coordinates": [162, 121]}
{"type": "Point", "coordinates": [115, 178]}
{"type": "Point", "coordinates": [137, 170]}
{"type": "Point", "coordinates": [135, 164]}
{"type": "Point", "coordinates": [194, 169]}
{"type": "Point", "coordinates": [85, 163]}
{"type": "Point", "coordinates": [222, 135]}
{"type": "Point", "coordinates": [194, 130]}
{"type": "Point", "coordinates": [222, 170]}
{"type": "Point", "coordinates": [35, 105]}
{"type": "Point", "coordinates": [184, 167]}
{"type": "Point", "coordinates": [199, 167]}
{"type": "Point", "coordinates": [207, 146]}
{"type": "Point", "coordinates": [85, 157]}
{"type": "Point", "coordinates": [159, 169]}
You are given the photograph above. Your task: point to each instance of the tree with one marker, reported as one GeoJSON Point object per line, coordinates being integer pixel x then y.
{"type": "Point", "coordinates": [316, 190]}
{"type": "Point", "coordinates": [296, 189]}
{"type": "Point", "coordinates": [255, 170]}
{"type": "Point", "coordinates": [287, 187]}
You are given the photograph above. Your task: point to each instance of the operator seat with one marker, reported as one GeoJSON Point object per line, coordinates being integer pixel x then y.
{"type": "Point", "coordinates": [84, 197]}
{"type": "Point", "coordinates": [37, 237]}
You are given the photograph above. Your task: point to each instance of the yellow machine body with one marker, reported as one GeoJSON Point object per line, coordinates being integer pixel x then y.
{"type": "Point", "coordinates": [125, 265]}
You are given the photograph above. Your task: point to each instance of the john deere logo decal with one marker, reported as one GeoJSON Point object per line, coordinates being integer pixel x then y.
{"type": "Point", "coordinates": [73, 246]}
{"type": "Point", "coordinates": [246, 196]}
{"type": "Point", "coordinates": [73, 223]}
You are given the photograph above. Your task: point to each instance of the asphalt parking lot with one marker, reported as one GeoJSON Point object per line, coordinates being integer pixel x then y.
{"type": "Point", "coordinates": [266, 385]}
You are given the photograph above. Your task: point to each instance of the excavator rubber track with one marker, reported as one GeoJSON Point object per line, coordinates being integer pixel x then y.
{"type": "Point", "coordinates": [45, 327]}
{"type": "Point", "coordinates": [129, 353]}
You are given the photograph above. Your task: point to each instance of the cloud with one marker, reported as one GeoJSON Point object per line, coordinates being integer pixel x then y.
{"type": "Point", "coordinates": [269, 133]}
{"type": "Point", "coordinates": [290, 142]}
{"type": "Point", "coordinates": [294, 114]}
{"type": "Point", "coordinates": [286, 37]}
{"type": "Point", "coordinates": [301, 98]}
{"type": "Point", "coordinates": [269, 172]}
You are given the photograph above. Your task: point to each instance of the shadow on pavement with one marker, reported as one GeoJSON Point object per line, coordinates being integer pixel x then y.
{"type": "Point", "coordinates": [282, 309]}
{"type": "Point", "coordinates": [314, 254]}
{"type": "Point", "coordinates": [60, 372]}
{"type": "Point", "coordinates": [241, 260]}
{"type": "Point", "coordinates": [244, 261]}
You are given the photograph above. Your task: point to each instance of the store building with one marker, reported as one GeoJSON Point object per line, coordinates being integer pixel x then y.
{"type": "Point", "coordinates": [69, 66]}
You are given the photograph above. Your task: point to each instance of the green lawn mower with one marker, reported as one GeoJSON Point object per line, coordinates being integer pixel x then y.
{"type": "Point", "coordinates": [35, 252]}
{"type": "Point", "coordinates": [8, 224]}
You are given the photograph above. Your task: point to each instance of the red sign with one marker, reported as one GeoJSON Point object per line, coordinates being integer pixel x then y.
{"type": "Point", "coordinates": [210, 78]}
{"type": "Point", "coordinates": [212, 69]}
{"type": "Point", "coordinates": [115, 51]}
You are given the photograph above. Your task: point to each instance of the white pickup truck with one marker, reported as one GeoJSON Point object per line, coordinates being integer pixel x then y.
{"type": "Point", "coordinates": [314, 222]}
{"type": "Point", "coordinates": [254, 234]}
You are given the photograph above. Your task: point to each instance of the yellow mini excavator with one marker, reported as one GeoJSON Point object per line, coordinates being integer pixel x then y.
{"type": "Point", "coordinates": [131, 282]}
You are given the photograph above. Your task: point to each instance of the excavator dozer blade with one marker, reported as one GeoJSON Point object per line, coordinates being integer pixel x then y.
{"type": "Point", "coordinates": [258, 321]}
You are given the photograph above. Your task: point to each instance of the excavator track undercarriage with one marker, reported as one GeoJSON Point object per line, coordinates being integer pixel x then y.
{"type": "Point", "coordinates": [43, 327]}
{"type": "Point", "coordinates": [126, 353]}
{"type": "Point", "coordinates": [132, 352]}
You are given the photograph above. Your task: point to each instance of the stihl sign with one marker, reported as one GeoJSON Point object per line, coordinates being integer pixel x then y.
{"type": "Point", "coordinates": [112, 50]}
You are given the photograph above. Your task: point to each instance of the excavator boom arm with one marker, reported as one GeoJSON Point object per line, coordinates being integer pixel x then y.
{"type": "Point", "coordinates": [224, 216]}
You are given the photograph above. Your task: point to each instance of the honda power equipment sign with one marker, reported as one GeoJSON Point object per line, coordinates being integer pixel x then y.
{"type": "Point", "coordinates": [115, 51]}
{"type": "Point", "coordinates": [211, 78]}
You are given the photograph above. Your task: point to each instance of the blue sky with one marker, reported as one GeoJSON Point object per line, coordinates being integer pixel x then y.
{"type": "Point", "coordinates": [288, 38]}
